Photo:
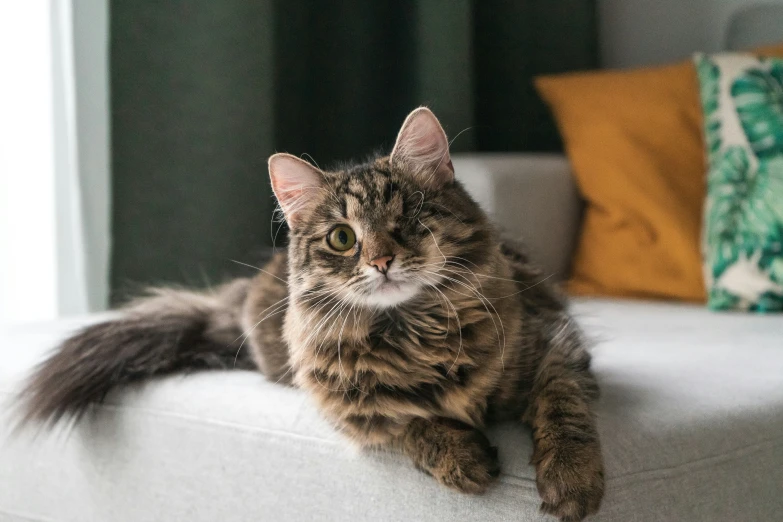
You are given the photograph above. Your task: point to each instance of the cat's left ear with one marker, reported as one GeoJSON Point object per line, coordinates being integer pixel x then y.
{"type": "Point", "coordinates": [423, 149]}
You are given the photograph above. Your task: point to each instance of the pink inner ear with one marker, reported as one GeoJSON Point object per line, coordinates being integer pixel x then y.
{"type": "Point", "coordinates": [423, 147]}
{"type": "Point", "coordinates": [293, 181]}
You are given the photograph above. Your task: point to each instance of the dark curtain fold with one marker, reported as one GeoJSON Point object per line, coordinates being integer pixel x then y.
{"type": "Point", "coordinates": [203, 91]}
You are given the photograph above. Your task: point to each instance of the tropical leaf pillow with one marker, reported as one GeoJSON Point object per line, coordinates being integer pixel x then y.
{"type": "Point", "coordinates": [742, 240]}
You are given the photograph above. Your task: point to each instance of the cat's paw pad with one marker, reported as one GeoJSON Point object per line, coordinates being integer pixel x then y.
{"type": "Point", "coordinates": [469, 465]}
{"type": "Point", "coordinates": [570, 482]}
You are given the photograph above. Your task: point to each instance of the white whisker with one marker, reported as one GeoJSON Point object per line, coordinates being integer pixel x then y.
{"type": "Point", "coordinates": [259, 269]}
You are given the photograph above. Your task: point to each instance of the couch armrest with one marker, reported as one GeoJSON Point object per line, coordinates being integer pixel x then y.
{"type": "Point", "coordinates": [532, 197]}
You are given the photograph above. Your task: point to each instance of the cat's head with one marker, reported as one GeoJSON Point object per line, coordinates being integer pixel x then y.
{"type": "Point", "coordinates": [380, 233]}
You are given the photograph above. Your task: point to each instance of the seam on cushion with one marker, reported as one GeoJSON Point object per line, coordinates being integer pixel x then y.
{"type": "Point", "coordinates": [203, 420]}
{"type": "Point", "coordinates": [643, 475]}
{"type": "Point", "coordinates": [31, 518]}
{"type": "Point", "coordinates": [237, 426]}
{"type": "Point", "coordinates": [667, 472]}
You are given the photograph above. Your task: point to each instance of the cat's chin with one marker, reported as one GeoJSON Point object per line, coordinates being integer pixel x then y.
{"type": "Point", "coordinates": [391, 293]}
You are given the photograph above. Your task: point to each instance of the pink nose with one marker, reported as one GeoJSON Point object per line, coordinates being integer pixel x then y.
{"type": "Point", "coordinates": [382, 263]}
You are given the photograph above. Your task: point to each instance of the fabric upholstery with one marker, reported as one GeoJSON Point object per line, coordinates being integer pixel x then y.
{"type": "Point", "coordinates": [691, 420]}
{"type": "Point", "coordinates": [532, 197]}
{"type": "Point", "coordinates": [753, 26]}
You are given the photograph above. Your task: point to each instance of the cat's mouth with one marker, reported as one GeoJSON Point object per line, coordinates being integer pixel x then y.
{"type": "Point", "coordinates": [388, 291]}
{"type": "Point", "coordinates": [389, 285]}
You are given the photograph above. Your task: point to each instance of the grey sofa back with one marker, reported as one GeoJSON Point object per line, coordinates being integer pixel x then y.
{"type": "Point", "coordinates": [532, 197]}
{"type": "Point", "coordinates": [756, 25]}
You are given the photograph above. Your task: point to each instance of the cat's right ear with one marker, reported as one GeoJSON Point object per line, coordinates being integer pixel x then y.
{"type": "Point", "coordinates": [294, 181]}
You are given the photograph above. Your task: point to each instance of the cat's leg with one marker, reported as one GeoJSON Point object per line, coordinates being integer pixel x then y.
{"type": "Point", "coordinates": [457, 455]}
{"type": "Point", "coordinates": [566, 449]}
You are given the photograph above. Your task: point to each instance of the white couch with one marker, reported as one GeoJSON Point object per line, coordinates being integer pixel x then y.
{"type": "Point", "coordinates": [691, 418]}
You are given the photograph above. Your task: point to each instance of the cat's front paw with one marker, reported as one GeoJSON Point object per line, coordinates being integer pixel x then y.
{"type": "Point", "coordinates": [570, 480]}
{"type": "Point", "coordinates": [457, 455]}
{"type": "Point", "coordinates": [470, 465]}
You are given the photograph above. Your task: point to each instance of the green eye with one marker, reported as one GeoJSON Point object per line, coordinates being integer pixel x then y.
{"type": "Point", "coordinates": [341, 238]}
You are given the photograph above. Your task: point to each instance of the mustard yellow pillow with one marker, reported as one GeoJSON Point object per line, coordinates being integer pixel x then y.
{"type": "Point", "coordinates": [635, 145]}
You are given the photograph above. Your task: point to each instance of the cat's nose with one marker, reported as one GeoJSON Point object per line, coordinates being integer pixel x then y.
{"type": "Point", "coordinates": [382, 263]}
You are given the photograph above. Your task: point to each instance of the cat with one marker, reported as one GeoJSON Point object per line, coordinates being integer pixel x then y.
{"type": "Point", "coordinates": [397, 307]}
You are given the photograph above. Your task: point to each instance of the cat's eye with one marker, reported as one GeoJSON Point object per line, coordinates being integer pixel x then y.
{"type": "Point", "coordinates": [341, 238]}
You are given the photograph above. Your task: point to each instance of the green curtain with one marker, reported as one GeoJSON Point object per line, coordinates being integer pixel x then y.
{"type": "Point", "coordinates": [203, 91]}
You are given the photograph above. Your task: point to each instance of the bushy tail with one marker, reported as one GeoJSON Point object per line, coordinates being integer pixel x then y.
{"type": "Point", "coordinates": [168, 331]}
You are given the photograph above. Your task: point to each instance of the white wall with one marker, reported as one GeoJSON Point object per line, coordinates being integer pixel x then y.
{"type": "Point", "coordinates": [645, 32]}
{"type": "Point", "coordinates": [28, 249]}
{"type": "Point", "coordinates": [54, 158]}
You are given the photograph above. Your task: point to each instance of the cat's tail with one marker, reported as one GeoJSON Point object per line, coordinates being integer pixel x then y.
{"type": "Point", "coordinates": [168, 331]}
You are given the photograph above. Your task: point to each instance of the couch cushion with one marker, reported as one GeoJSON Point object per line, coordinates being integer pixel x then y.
{"type": "Point", "coordinates": [691, 418]}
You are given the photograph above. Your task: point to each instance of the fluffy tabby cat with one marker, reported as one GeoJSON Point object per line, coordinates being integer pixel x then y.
{"type": "Point", "coordinates": [396, 307]}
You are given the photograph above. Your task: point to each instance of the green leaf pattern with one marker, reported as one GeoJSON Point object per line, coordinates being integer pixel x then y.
{"type": "Point", "coordinates": [709, 75]}
{"type": "Point", "coordinates": [758, 96]}
{"type": "Point", "coordinates": [743, 216]}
